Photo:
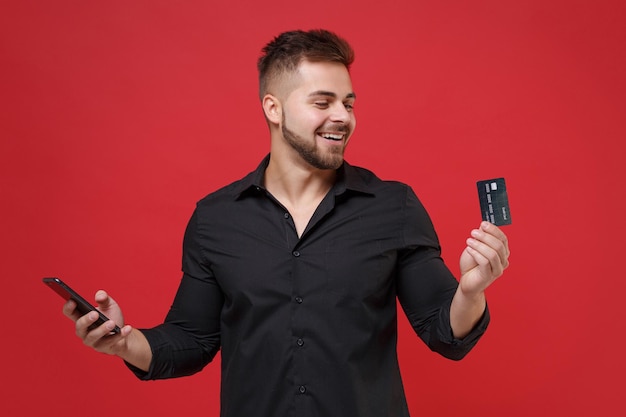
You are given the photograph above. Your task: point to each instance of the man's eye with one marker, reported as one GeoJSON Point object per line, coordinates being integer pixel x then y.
{"type": "Point", "coordinates": [321, 104]}
{"type": "Point", "coordinates": [349, 106]}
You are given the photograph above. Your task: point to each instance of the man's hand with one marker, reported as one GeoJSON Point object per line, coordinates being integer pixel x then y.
{"type": "Point", "coordinates": [99, 338]}
{"type": "Point", "coordinates": [130, 344]}
{"type": "Point", "coordinates": [484, 259]}
{"type": "Point", "coordinates": [482, 262]}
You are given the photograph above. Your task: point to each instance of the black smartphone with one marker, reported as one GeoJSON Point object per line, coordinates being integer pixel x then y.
{"type": "Point", "coordinates": [82, 305]}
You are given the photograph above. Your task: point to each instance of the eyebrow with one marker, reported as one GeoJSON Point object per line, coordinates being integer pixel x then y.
{"type": "Point", "coordinates": [330, 94]}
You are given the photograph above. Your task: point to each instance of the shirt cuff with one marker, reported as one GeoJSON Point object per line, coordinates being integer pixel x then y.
{"type": "Point", "coordinates": [452, 347]}
{"type": "Point", "coordinates": [154, 340]}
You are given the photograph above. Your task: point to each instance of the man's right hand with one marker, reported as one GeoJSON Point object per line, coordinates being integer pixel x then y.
{"type": "Point", "coordinates": [130, 344]}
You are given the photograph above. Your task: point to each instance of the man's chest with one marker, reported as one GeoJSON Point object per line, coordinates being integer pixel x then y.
{"type": "Point", "coordinates": [343, 253]}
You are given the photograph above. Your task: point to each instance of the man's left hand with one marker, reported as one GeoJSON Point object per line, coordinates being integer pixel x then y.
{"type": "Point", "coordinates": [484, 259]}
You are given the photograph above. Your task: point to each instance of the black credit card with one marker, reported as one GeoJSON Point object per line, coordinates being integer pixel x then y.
{"type": "Point", "coordinates": [494, 202]}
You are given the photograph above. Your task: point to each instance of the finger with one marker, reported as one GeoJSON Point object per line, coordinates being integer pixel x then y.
{"type": "Point", "coordinates": [83, 323]}
{"type": "Point", "coordinates": [483, 269]}
{"type": "Point", "coordinates": [104, 301]}
{"type": "Point", "coordinates": [101, 337]}
{"type": "Point", "coordinates": [479, 259]}
{"type": "Point", "coordinates": [486, 257]}
{"type": "Point", "coordinates": [495, 231]}
{"type": "Point", "coordinates": [493, 242]}
{"type": "Point", "coordinates": [69, 310]}
{"type": "Point", "coordinates": [104, 340]}
{"type": "Point", "coordinates": [490, 240]}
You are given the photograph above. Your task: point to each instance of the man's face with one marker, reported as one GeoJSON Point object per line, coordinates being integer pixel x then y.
{"type": "Point", "coordinates": [317, 114]}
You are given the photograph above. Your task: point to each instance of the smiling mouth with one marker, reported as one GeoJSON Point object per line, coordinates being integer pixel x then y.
{"type": "Point", "coordinates": [333, 136]}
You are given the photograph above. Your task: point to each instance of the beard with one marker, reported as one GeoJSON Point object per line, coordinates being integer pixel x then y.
{"type": "Point", "coordinates": [332, 158]}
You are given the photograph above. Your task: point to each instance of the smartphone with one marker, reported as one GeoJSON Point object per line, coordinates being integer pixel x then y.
{"type": "Point", "coordinates": [82, 306]}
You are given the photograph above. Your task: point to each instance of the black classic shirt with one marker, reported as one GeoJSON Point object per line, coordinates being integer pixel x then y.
{"type": "Point", "coordinates": [307, 325]}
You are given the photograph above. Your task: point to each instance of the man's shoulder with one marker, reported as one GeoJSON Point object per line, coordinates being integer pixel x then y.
{"type": "Point", "coordinates": [225, 194]}
{"type": "Point", "coordinates": [233, 191]}
{"type": "Point", "coordinates": [366, 180]}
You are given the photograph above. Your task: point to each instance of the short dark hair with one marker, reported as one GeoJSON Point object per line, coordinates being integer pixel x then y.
{"type": "Point", "coordinates": [285, 52]}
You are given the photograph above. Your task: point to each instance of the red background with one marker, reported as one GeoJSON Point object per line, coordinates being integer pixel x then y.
{"type": "Point", "coordinates": [117, 116]}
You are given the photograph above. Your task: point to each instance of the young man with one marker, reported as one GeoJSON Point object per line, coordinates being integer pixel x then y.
{"type": "Point", "coordinates": [294, 271]}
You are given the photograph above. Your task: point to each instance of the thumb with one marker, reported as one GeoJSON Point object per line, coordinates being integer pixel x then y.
{"type": "Point", "coordinates": [104, 300]}
{"type": "Point", "coordinates": [109, 307]}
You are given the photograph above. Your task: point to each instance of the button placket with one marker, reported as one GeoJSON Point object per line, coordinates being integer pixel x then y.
{"type": "Point", "coordinates": [298, 342]}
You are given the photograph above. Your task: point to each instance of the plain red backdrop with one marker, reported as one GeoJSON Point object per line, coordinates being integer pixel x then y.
{"type": "Point", "coordinates": [117, 116]}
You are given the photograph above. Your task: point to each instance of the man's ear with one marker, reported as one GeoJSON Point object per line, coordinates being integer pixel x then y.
{"type": "Point", "coordinates": [272, 108]}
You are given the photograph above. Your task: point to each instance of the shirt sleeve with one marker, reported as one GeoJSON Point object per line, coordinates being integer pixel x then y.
{"type": "Point", "coordinates": [190, 336]}
{"type": "Point", "coordinates": [426, 286]}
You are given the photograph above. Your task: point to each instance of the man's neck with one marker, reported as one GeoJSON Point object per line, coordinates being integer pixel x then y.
{"type": "Point", "coordinates": [297, 185]}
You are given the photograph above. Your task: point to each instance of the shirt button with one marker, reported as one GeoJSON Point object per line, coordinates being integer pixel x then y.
{"type": "Point", "coordinates": [300, 342]}
{"type": "Point", "coordinates": [302, 389]}
{"type": "Point", "coordinates": [296, 253]}
{"type": "Point", "coordinates": [299, 300]}
{"type": "Point", "coordinates": [286, 215]}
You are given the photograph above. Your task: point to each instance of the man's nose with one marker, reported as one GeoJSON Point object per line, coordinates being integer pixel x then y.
{"type": "Point", "coordinates": [340, 113]}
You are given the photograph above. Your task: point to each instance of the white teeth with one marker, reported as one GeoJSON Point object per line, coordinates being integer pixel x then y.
{"type": "Point", "coordinates": [332, 136]}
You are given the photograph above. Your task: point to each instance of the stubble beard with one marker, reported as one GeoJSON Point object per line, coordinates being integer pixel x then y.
{"type": "Point", "coordinates": [311, 153]}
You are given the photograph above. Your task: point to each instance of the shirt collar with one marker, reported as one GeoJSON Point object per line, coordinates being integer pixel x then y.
{"type": "Point", "coordinates": [348, 179]}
